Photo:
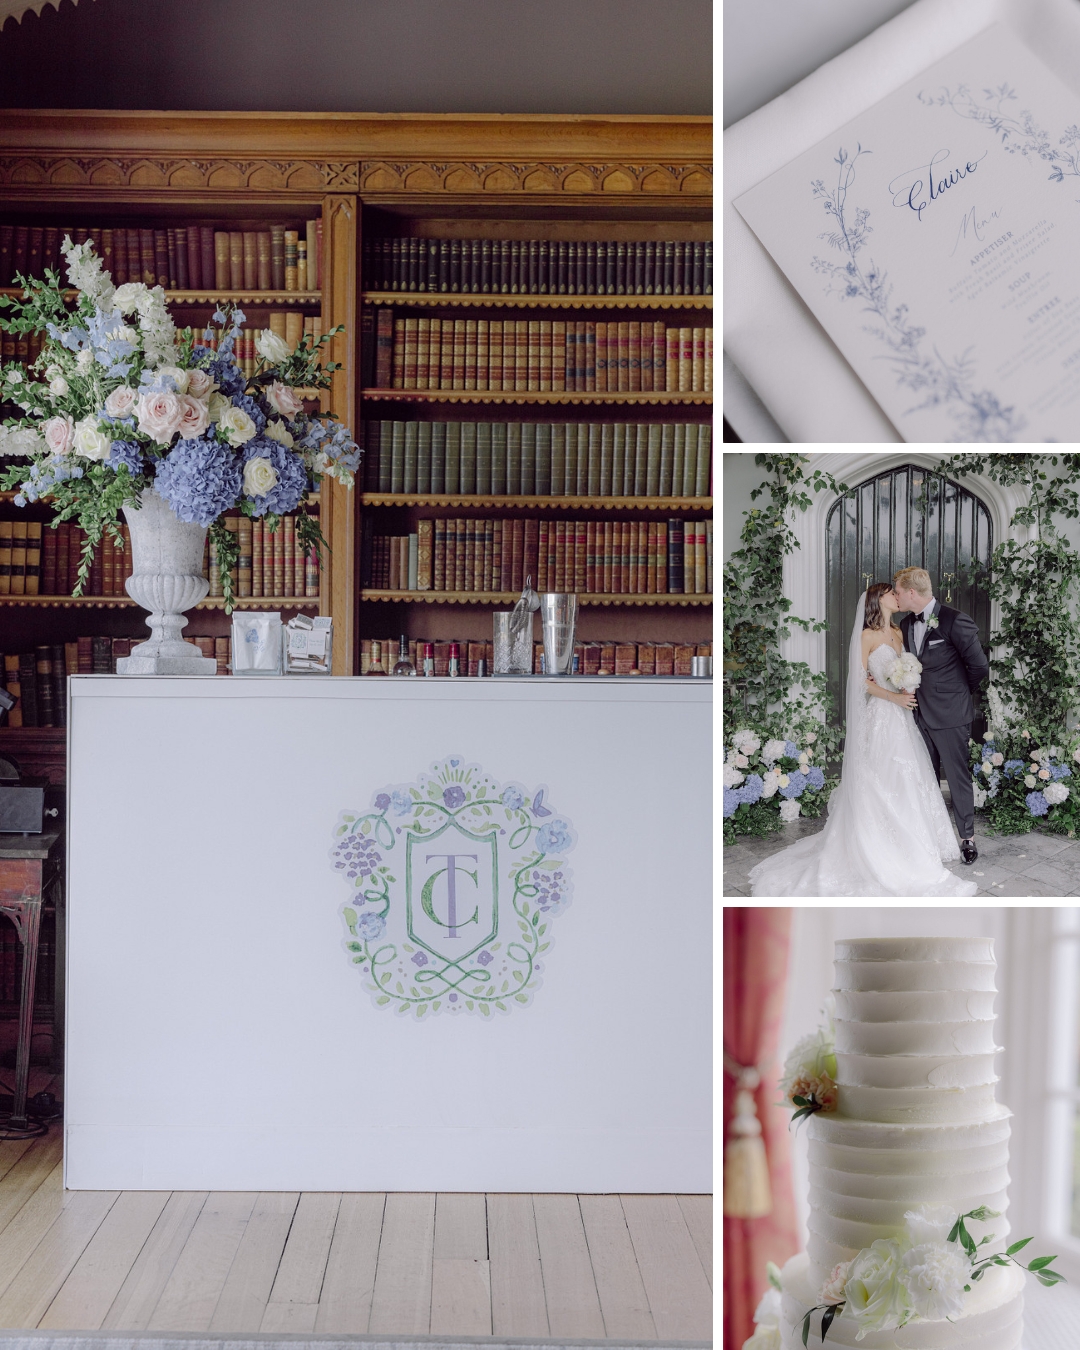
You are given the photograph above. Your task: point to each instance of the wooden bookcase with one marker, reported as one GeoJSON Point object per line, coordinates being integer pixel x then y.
{"type": "Point", "coordinates": [469, 175]}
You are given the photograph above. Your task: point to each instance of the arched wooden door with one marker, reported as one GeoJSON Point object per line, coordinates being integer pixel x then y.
{"type": "Point", "coordinates": [887, 523]}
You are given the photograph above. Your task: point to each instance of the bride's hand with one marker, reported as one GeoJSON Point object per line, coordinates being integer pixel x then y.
{"type": "Point", "coordinates": [905, 700]}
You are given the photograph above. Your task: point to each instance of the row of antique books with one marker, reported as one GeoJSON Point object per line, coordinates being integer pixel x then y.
{"type": "Point", "coordinates": [541, 459]}
{"type": "Point", "coordinates": [590, 658]}
{"type": "Point", "coordinates": [538, 266]}
{"type": "Point", "coordinates": [36, 559]}
{"type": "Point", "coordinates": [37, 679]}
{"type": "Point", "coordinates": [181, 258]}
{"type": "Point", "coordinates": [11, 965]}
{"type": "Point", "coordinates": [595, 557]}
{"type": "Point", "coordinates": [271, 563]}
{"type": "Point", "coordinates": [537, 355]}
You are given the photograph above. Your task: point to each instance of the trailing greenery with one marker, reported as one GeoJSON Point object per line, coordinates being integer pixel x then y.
{"type": "Point", "coordinates": [762, 689]}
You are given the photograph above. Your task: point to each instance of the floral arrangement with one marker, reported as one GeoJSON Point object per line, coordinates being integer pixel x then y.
{"type": "Point", "coordinates": [809, 1078]}
{"type": "Point", "coordinates": [767, 1315]}
{"type": "Point", "coordinates": [1019, 783]}
{"type": "Point", "coordinates": [921, 1275]}
{"type": "Point", "coordinates": [120, 400]}
{"type": "Point", "coordinates": [905, 673]}
{"type": "Point", "coordinates": [770, 781]}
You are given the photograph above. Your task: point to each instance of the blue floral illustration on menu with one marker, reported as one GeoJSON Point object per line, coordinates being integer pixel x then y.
{"type": "Point", "coordinates": [918, 365]}
{"type": "Point", "coordinates": [454, 880]}
{"type": "Point", "coordinates": [1020, 134]}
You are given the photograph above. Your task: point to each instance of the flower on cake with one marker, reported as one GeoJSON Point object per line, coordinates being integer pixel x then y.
{"type": "Point", "coordinates": [833, 1290]}
{"type": "Point", "coordinates": [876, 1294]}
{"type": "Point", "coordinates": [809, 1078]}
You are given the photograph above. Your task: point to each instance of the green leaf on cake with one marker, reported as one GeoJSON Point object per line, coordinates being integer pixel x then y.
{"type": "Point", "coordinates": [1011, 1251]}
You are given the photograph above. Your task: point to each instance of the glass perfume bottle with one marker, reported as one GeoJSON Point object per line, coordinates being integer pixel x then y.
{"type": "Point", "coordinates": [403, 665]}
{"type": "Point", "coordinates": [376, 667]}
{"type": "Point", "coordinates": [429, 658]}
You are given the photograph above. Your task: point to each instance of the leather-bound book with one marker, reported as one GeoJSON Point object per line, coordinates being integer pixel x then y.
{"type": "Point", "coordinates": [291, 237]}
{"type": "Point", "coordinates": [250, 247]}
{"type": "Point", "coordinates": [28, 689]}
{"type": "Point", "coordinates": [263, 266]}
{"type": "Point", "coordinates": [192, 257]}
{"type": "Point", "coordinates": [6, 528]}
{"type": "Point", "coordinates": [243, 584]}
{"type": "Point", "coordinates": [236, 260]}
{"type": "Point", "coordinates": [178, 258]}
{"type": "Point", "coordinates": [147, 269]}
{"type": "Point", "coordinates": [48, 563]}
{"type": "Point", "coordinates": [35, 237]}
{"type": "Point", "coordinates": [161, 257]}
{"type": "Point", "coordinates": [58, 683]}
{"type": "Point", "coordinates": [425, 554]}
{"type": "Point", "coordinates": [115, 245]}
{"type": "Point", "coordinates": [7, 242]}
{"type": "Point", "coordinates": [20, 252]}
{"type": "Point", "coordinates": [207, 274]}
{"type": "Point", "coordinates": [46, 708]}
{"type": "Point", "coordinates": [171, 270]}
{"type": "Point", "coordinates": [423, 458]}
{"type": "Point", "coordinates": [18, 557]}
{"type": "Point", "coordinates": [277, 257]}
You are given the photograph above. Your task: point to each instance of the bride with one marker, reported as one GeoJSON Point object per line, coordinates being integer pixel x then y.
{"type": "Point", "coordinates": [888, 831]}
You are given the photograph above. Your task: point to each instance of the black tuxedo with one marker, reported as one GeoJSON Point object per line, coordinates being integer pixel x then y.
{"type": "Point", "coordinates": [953, 666]}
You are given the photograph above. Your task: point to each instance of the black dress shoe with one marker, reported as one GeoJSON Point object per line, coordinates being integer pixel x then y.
{"type": "Point", "coordinates": [968, 851]}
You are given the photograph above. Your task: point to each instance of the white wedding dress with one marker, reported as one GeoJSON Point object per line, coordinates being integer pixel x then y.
{"type": "Point", "coordinates": [888, 831]}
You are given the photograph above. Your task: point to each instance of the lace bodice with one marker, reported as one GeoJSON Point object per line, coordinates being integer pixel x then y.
{"type": "Point", "coordinates": [880, 658]}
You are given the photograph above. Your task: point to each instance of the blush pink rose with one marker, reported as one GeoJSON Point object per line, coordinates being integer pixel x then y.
{"type": "Point", "coordinates": [200, 384]}
{"type": "Point", "coordinates": [283, 399]}
{"type": "Point", "coordinates": [159, 415]}
{"type": "Point", "coordinates": [121, 402]}
{"type": "Point", "coordinates": [59, 434]}
{"type": "Point", "coordinates": [194, 416]}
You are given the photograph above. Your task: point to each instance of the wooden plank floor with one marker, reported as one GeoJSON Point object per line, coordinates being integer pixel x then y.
{"type": "Point", "coordinates": [570, 1266]}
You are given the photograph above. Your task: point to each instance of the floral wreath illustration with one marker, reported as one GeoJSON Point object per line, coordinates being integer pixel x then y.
{"type": "Point", "coordinates": [978, 413]}
{"type": "Point", "coordinates": [411, 976]}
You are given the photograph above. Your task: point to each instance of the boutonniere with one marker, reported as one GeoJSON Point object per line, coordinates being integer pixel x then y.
{"type": "Point", "coordinates": [932, 623]}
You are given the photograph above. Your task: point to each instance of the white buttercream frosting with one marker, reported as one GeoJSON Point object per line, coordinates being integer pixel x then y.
{"type": "Point", "coordinates": [916, 1124]}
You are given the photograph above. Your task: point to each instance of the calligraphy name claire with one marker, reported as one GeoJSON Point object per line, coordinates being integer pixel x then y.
{"type": "Point", "coordinates": [920, 187]}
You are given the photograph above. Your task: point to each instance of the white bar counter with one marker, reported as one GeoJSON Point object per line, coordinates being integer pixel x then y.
{"type": "Point", "coordinates": [512, 993]}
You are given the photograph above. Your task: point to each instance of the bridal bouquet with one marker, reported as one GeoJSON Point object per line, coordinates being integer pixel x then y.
{"type": "Point", "coordinates": [120, 400]}
{"type": "Point", "coordinates": [904, 674]}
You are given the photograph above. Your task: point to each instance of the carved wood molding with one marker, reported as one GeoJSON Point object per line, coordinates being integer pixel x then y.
{"type": "Point", "coordinates": [379, 176]}
{"type": "Point", "coordinates": [182, 174]}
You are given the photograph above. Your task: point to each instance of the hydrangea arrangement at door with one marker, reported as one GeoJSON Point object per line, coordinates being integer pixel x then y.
{"type": "Point", "coordinates": [1020, 783]}
{"type": "Point", "coordinates": [120, 400]}
{"type": "Point", "coordinates": [770, 780]}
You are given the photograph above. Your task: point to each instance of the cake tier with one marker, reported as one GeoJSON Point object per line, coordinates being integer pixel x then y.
{"type": "Point", "coordinates": [914, 949]}
{"type": "Point", "coordinates": [926, 1005]}
{"type": "Point", "coordinates": [910, 1070]}
{"type": "Point", "coordinates": [886, 976]}
{"type": "Point", "coordinates": [864, 1177]}
{"type": "Point", "coordinates": [968, 1036]}
{"type": "Point", "coordinates": [992, 1318]}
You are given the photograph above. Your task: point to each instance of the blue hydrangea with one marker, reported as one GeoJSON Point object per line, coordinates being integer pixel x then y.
{"type": "Point", "coordinates": [199, 479]}
{"type": "Point", "coordinates": [791, 750]}
{"type": "Point", "coordinates": [371, 926]}
{"type": "Point", "coordinates": [751, 790]}
{"type": "Point", "coordinates": [1014, 767]}
{"type": "Point", "coordinates": [333, 440]}
{"type": "Point", "coordinates": [250, 405]}
{"type": "Point", "coordinates": [553, 837]}
{"type": "Point", "coordinates": [1060, 771]}
{"type": "Point", "coordinates": [292, 482]}
{"type": "Point", "coordinates": [512, 799]}
{"type": "Point", "coordinates": [1037, 804]}
{"type": "Point", "coordinates": [126, 453]}
{"type": "Point", "coordinates": [230, 378]}
{"type": "Point", "coordinates": [816, 777]}
{"type": "Point", "coordinates": [732, 802]}
{"type": "Point", "coordinates": [796, 785]}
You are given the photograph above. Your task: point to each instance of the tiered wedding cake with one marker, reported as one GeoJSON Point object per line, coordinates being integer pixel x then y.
{"type": "Point", "coordinates": [916, 1124]}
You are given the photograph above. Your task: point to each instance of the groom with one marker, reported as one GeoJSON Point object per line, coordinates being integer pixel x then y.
{"type": "Point", "coordinates": [946, 641]}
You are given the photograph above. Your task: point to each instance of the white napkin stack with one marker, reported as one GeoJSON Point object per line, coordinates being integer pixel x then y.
{"type": "Point", "coordinates": [769, 334]}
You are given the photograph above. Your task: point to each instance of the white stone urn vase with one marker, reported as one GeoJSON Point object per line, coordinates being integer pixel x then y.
{"type": "Point", "coordinates": [167, 579]}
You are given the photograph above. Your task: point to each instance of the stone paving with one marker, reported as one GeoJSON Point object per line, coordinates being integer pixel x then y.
{"type": "Point", "coordinates": [1034, 864]}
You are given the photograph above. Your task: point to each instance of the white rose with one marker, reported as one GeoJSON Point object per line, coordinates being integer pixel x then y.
{"type": "Point", "coordinates": [832, 1291]}
{"type": "Point", "coordinates": [179, 377]}
{"type": "Point", "coordinates": [128, 297]}
{"type": "Point", "coordinates": [14, 377]}
{"type": "Point", "coordinates": [1029, 780]}
{"type": "Point", "coordinates": [283, 399]}
{"type": "Point", "coordinates": [159, 416]}
{"type": "Point", "coordinates": [732, 777]}
{"type": "Point", "coordinates": [121, 402]}
{"type": "Point", "coordinates": [84, 360]}
{"type": "Point", "coordinates": [1055, 793]}
{"type": "Point", "coordinates": [997, 758]}
{"type": "Point", "coordinates": [936, 1273]}
{"type": "Point", "coordinates": [236, 426]}
{"type": "Point", "coordinates": [272, 346]}
{"type": "Point", "coordinates": [1055, 752]}
{"type": "Point", "coordinates": [764, 1338]}
{"type": "Point", "coordinates": [278, 431]}
{"type": "Point", "coordinates": [218, 404]}
{"type": "Point", "coordinates": [51, 372]}
{"type": "Point", "coordinates": [89, 441]}
{"type": "Point", "coordinates": [987, 767]}
{"type": "Point", "coordinates": [876, 1293]}
{"type": "Point", "coordinates": [741, 762]}
{"type": "Point", "coordinates": [260, 477]}
{"type": "Point", "coordinates": [784, 780]}
{"type": "Point", "coordinates": [988, 735]}
{"type": "Point", "coordinates": [58, 386]}
{"type": "Point", "coordinates": [810, 737]}
{"type": "Point", "coordinates": [789, 811]}
{"type": "Point", "coordinates": [200, 383]}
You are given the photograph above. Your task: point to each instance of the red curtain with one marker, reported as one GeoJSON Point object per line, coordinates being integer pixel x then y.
{"type": "Point", "coordinates": [755, 974]}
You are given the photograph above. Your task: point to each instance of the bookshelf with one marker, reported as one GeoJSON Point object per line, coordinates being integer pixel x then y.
{"type": "Point", "coordinates": [386, 175]}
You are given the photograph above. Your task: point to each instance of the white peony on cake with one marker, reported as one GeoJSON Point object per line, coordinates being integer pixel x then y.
{"type": "Point", "coordinates": [916, 1140]}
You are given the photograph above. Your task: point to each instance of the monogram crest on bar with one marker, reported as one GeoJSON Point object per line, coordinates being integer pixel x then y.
{"type": "Point", "coordinates": [454, 881]}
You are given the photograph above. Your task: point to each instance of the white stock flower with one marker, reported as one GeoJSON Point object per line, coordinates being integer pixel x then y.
{"type": "Point", "coordinates": [272, 346]}
{"type": "Point", "coordinates": [129, 296]}
{"type": "Point", "coordinates": [58, 386]}
{"type": "Point", "coordinates": [278, 431]}
{"type": "Point", "coordinates": [935, 1275]}
{"type": "Point", "coordinates": [772, 751]}
{"type": "Point", "coordinates": [86, 274]}
{"type": "Point", "coordinates": [89, 441]}
{"type": "Point", "coordinates": [235, 425]}
{"type": "Point", "coordinates": [22, 440]}
{"type": "Point", "coordinates": [52, 371]}
{"type": "Point", "coordinates": [84, 360]}
{"type": "Point", "coordinates": [876, 1293]}
{"type": "Point", "coordinates": [157, 328]}
{"type": "Point", "coordinates": [1055, 793]}
{"type": "Point", "coordinates": [732, 777]}
{"type": "Point", "coordinates": [260, 477]}
{"type": "Point", "coordinates": [832, 1291]}
{"type": "Point", "coordinates": [789, 811]}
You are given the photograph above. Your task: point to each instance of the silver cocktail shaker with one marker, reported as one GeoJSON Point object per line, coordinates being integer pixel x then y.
{"type": "Point", "coordinates": [558, 615]}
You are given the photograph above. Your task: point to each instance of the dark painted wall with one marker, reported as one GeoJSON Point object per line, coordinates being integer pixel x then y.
{"type": "Point", "coordinates": [514, 56]}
